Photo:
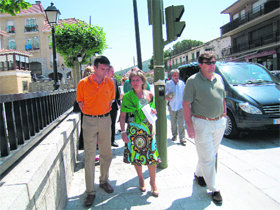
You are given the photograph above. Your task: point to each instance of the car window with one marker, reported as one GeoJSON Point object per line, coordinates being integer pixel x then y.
{"type": "Point", "coordinates": [244, 73]}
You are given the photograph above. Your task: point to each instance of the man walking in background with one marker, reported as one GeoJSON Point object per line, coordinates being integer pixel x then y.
{"type": "Point", "coordinates": [115, 106]}
{"type": "Point", "coordinates": [174, 96]}
{"type": "Point", "coordinates": [205, 115]}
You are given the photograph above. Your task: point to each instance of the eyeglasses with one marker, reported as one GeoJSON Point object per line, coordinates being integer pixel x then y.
{"type": "Point", "coordinates": [209, 62]}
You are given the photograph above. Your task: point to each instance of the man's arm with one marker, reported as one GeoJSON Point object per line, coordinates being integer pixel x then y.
{"type": "Point", "coordinates": [188, 119]}
{"type": "Point", "coordinates": [225, 108]}
{"type": "Point", "coordinates": [81, 105]}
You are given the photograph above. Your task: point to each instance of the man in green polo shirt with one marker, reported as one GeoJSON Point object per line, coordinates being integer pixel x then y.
{"type": "Point", "coordinates": [204, 109]}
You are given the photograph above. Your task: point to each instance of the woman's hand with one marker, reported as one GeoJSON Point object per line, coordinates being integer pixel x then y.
{"type": "Point", "coordinates": [153, 111]}
{"type": "Point", "coordinates": [125, 138]}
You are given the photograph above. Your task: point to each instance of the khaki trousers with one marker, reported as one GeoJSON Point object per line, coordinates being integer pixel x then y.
{"type": "Point", "coordinates": [96, 130]}
{"type": "Point", "coordinates": [208, 136]}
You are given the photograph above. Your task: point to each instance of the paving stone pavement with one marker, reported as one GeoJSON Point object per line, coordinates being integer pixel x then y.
{"type": "Point", "coordinates": [245, 183]}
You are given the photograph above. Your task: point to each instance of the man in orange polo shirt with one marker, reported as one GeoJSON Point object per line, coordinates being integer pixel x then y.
{"type": "Point", "coordinates": [94, 96]}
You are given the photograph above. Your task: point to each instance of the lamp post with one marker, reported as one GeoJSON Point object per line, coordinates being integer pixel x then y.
{"type": "Point", "coordinates": [80, 58]}
{"type": "Point", "coordinates": [52, 17]}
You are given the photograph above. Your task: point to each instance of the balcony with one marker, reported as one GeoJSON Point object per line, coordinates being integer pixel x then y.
{"type": "Point", "coordinates": [31, 28]}
{"type": "Point", "coordinates": [262, 41]}
{"type": "Point", "coordinates": [249, 16]}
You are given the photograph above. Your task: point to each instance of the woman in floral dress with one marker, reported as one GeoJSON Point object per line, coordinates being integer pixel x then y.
{"type": "Point", "coordinates": [139, 138]}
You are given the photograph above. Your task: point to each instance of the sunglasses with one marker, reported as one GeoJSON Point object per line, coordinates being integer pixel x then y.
{"type": "Point", "coordinates": [209, 62]}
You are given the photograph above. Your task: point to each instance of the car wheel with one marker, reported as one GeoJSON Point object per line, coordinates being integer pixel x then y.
{"type": "Point", "coordinates": [231, 128]}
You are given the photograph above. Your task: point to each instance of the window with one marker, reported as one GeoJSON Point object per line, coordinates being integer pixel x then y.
{"type": "Point", "coordinates": [242, 14]}
{"type": "Point", "coordinates": [257, 6]}
{"type": "Point", "coordinates": [32, 43]}
{"type": "Point", "coordinates": [197, 54]}
{"type": "Point", "coordinates": [31, 25]}
{"type": "Point", "coordinates": [12, 44]}
{"type": "Point", "coordinates": [10, 27]}
{"type": "Point", "coordinates": [235, 16]}
{"type": "Point", "coordinates": [24, 85]}
{"type": "Point", "coordinates": [261, 35]}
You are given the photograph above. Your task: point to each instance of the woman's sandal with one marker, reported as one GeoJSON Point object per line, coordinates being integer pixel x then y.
{"type": "Point", "coordinates": [142, 189]}
{"type": "Point", "coordinates": [155, 193]}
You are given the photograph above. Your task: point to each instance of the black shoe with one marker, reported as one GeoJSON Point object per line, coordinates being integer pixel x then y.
{"type": "Point", "coordinates": [217, 198]}
{"type": "Point", "coordinates": [89, 200]}
{"type": "Point", "coordinates": [174, 138]}
{"type": "Point", "coordinates": [183, 141]}
{"type": "Point", "coordinates": [200, 181]}
{"type": "Point", "coordinates": [114, 144]}
{"type": "Point", "coordinates": [106, 187]}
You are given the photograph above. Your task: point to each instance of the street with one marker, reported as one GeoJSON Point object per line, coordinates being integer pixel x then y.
{"type": "Point", "coordinates": [255, 157]}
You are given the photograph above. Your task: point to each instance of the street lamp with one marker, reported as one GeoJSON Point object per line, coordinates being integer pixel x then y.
{"type": "Point", "coordinates": [52, 17]}
{"type": "Point", "coordinates": [80, 58]}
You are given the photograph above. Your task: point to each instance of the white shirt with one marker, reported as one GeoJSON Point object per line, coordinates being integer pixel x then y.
{"type": "Point", "coordinates": [176, 102]}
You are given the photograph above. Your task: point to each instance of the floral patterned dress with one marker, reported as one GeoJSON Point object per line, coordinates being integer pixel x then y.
{"type": "Point", "coordinates": [142, 147]}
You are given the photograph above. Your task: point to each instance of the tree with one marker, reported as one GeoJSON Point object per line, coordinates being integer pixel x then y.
{"type": "Point", "coordinates": [184, 45]}
{"type": "Point", "coordinates": [13, 6]}
{"type": "Point", "coordinates": [79, 40]}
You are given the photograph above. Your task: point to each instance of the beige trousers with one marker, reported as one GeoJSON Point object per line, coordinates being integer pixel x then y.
{"type": "Point", "coordinates": [96, 130]}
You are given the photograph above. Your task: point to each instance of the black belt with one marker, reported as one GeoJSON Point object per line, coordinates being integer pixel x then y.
{"type": "Point", "coordinates": [99, 116]}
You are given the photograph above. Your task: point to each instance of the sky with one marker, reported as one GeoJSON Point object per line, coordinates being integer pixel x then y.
{"type": "Point", "coordinates": [203, 21]}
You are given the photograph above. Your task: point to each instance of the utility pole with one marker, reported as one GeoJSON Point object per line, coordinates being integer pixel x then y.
{"type": "Point", "coordinates": [137, 36]}
{"type": "Point", "coordinates": [156, 7]}
{"type": "Point", "coordinates": [174, 29]}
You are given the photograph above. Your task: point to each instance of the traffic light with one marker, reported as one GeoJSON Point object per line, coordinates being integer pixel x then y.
{"type": "Point", "coordinates": [174, 27]}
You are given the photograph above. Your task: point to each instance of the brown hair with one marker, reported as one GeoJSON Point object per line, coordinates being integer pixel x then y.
{"type": "Point", "coordinates": [141, 75]}
{"type": "Point", "coordinates": [206, 56]}
{"type": "Point", "coordinates": [88, 70]}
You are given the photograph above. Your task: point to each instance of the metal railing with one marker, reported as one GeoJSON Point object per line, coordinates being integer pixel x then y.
{"type": "Point", "coordinates": [262, 41]}
{"type": "Point", "coordinates": [251, 15]}
{"type": "Point", "coordinates": [25, 115]}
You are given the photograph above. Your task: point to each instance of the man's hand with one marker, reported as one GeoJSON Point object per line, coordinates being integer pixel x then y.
{"type": "Point", "coordinates": [191, 132]}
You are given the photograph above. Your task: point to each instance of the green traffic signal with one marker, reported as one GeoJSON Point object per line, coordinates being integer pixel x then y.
{"type": "Point", "coordinates": [174, 27]}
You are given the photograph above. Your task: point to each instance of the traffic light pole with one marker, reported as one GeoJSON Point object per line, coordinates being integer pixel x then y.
{"type": "Point", "coordinates": [158, 45]}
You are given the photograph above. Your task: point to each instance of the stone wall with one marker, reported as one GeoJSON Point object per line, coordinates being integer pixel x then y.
{"type": "Point", "coordinates": [42, 179]}
{"type": "Point", "coordinates": [48, 85]}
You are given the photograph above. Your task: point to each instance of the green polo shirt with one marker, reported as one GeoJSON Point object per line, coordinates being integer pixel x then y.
{"type": "Point", "coordinates": [205, 96]}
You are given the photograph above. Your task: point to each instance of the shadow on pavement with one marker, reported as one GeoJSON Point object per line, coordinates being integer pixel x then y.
{"type": "Point", "coordinates": [196, 201]}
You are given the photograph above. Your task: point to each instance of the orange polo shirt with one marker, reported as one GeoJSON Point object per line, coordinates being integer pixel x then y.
{"type": "Point", "coordinates": [96, 97]}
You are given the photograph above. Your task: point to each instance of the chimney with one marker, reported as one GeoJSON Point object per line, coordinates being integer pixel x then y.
{"type": "Point", "coordinates": [38, 2]}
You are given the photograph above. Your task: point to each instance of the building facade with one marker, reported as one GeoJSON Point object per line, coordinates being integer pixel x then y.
{"type": "Point", "coordinates": [29, 31]}
{"type": "Point", "coordinates": [220, 46]}
{"type": "Point", "coordinates": [254, 29]}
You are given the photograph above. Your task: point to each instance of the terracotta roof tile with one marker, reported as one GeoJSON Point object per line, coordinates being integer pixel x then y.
{"type": "Point", "coordinates": [21, 52]}
{"type": "Point", "coordinates": [60, 21]}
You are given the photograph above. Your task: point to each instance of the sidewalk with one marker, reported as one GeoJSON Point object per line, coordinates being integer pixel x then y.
{"type": "Point", "coordinates": [176, 185]}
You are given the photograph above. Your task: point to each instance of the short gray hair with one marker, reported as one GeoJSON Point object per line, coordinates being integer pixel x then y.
{"type": "Point", "coordinates": [174, 71]}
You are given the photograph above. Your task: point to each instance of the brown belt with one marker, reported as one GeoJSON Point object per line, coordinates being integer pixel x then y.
{"type": "Point", "coordinates": [206, 118]}
{"type": "Point", "coordinates": [99, 116]}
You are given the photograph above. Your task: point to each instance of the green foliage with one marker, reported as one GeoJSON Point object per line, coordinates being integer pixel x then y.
{"type": "Point", "coordinates": [151, 64]}
{"type": "Point", "coordinates": [184, 45]}
{"type": "Point", "coordinates": [13, 7]}
{"type": "Point", "coordinates": [179, 47]}
{"type": "Point", "coordinates": [74, 40]}
{"type": "Point", "coordinates": [118, 78]}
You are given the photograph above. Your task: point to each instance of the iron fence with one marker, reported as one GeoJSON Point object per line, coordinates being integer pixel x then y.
{"type": "Point", "coordinates": [25, 115]}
